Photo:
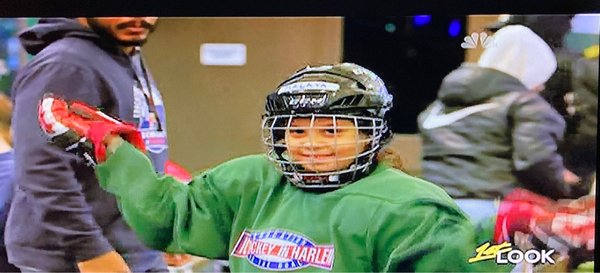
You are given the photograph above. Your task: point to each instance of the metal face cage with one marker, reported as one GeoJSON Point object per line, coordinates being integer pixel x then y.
{"type": "Point", "coordinates": [317, 171]}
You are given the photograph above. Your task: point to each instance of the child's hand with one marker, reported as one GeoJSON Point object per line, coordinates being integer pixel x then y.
{"type": "Point", "coordinates": [570, 178]}
{"type": "Point", "coordinates": [112, 143]}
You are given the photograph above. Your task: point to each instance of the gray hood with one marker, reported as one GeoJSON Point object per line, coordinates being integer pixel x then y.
{"type": "Point", "coordinates": [49, 30]}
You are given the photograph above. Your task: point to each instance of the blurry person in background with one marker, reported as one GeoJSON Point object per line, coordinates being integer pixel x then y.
{"type": "Point", "coordinates": [581, 143]}
{"type": "Point", "coordinates": [60, 219]}
{"type": "Point", "coordinates": [570, 90]}
{"type": "Point", "coordinates": [580, 147]}
{"type": "Point", "coordinates": [489, 131]}
{"type": "Point", "coordinates": [6, 176]}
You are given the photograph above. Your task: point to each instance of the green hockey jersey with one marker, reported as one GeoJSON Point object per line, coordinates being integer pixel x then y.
{"type": "Point", "coordinates": [245, 211]}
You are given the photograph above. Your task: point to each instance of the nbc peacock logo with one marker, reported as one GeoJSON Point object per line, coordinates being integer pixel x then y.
{"type": "Point", "coordinates": [471, 41]}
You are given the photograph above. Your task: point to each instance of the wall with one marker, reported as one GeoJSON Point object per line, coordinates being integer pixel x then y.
{"type": "Point", "coordinates": [477, 23]}
{"type": "Point", "coordinates": [214, 112]}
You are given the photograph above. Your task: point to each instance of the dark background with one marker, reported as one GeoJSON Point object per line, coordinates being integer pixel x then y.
{"type": "Point", "coordinates": [411, 54]}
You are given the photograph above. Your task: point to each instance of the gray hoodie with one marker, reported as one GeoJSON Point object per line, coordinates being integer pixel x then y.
{"type": "Point", "coordinates": [59, 214]}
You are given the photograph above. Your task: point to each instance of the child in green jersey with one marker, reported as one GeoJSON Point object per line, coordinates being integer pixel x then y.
{"type": "Point", "coordinates": [320, 200]}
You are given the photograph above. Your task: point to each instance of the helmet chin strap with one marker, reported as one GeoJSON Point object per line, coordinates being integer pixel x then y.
{"type": "Point", "coordinates": [321, 186]}
{"type": "Point", "coordinates": [309, 181]}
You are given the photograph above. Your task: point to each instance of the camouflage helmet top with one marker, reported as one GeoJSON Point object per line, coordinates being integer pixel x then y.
{"type": "Point", "coordinates": [341, 88]}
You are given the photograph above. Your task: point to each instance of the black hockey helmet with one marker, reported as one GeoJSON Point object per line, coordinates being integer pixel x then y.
{"type": "Point", "coordinates": [342, 91]}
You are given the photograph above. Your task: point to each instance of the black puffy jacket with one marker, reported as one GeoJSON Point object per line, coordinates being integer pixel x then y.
{"type": "Point", "coordinates": [487, 134]}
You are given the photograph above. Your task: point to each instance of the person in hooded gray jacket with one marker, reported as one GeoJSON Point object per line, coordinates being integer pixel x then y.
{"type": "Point", "coordinates": [489, 131]}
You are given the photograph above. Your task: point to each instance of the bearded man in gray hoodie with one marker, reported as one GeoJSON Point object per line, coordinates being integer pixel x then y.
{"type": "Point", "coordinates": [60, 218]}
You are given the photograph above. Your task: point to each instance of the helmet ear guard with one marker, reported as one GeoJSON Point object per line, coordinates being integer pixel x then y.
{"type": "Point", "coordinates": [341, 91]}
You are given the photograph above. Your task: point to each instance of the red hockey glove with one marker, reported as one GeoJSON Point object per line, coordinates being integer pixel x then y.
{"type": "Point", "coordinates": [517, 212]}
{"type": "Point", "coordinates": [564, 225]}
{"type": "Point", "coordinates": [80, 128]}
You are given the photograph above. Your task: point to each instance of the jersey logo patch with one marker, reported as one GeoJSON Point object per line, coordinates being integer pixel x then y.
{"type": "Point", "coordinates": [280, 250]}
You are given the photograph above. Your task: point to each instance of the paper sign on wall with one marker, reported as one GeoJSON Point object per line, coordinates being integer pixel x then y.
{"type": "Point", "coordinates": [223, 54]}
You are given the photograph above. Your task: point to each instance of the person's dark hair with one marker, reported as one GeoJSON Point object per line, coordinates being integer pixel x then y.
{"type": "Point", "coordinates": [551, 28]}
{"type": "Point", "coordinates": [391, 157]}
